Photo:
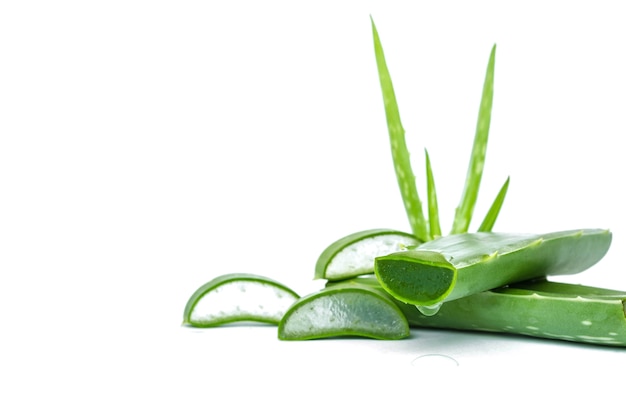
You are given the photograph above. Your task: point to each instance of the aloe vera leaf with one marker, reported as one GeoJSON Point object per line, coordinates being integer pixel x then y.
{"type": "Point", "coordinates": [542, 309]}
{"type": "Point", "coordinates": [460, 265]}
{"type": "Point", "coordinates": [433, 208]}
{"type": "Point", "coordinates": [344, 309]}
{"type": "Point", "coordinates": [399, 151]}
{"type": "Point", "coordinates": [237, 297]}
{"type": "Point", "coordinates": [465, 209]}
{"type": "Point", "coordinates": [538, 308]}
{"type": "Point", "coordinates": [354, 254]}
{"type": "Point", "coordinates": [494, 210]}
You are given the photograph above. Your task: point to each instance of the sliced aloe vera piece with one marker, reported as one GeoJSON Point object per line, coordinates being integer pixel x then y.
{"type": "Point", "coordinates": [542, 309]}
{"type": "Point", "coordinates": [237, 297]}
{"type": "Point", "coordinates": [460, 265]}
{"type": "Point", "coordinates": [344, 308]}
{"type": "Point", "coordinates": [354, 254]}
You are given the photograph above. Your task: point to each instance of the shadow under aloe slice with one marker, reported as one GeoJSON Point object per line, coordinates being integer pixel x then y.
{"type": "Point", "coordinates": [461, 265]}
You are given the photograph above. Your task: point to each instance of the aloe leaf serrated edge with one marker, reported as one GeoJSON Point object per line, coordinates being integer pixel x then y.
{"type": "Point", "coordinates": [460, 265]}
{"type": "Point", "coordinates": [464, 211]}
{"type": "Point", "coordinates": [399, 151]}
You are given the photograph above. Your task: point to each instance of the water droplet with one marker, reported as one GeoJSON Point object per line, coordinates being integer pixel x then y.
{"type": "Point", "coordinates": [429, 310]}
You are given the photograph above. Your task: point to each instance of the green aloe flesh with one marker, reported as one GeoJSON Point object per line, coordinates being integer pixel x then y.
{"type": "Point", "coordinates": [238, 297]}
{"type": "Point", "coordinates": [461, 265]}
{"type": "Point", "coordinates": [354, 254]}
{"type": "Point", "coordinates": [544, 309]}
{"type": "Point", "coordinates": [344, 309]}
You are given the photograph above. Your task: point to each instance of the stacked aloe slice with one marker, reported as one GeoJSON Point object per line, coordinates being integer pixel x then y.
{"type": "Point", "coordinates": [382, 282]}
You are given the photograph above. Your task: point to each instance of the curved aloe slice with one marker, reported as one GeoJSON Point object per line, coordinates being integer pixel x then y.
{"type": "Point", "coordinates": [460, 265]}
{"type": "Point", "coordinates": [238, 297]}
{"type": "Point", "coordinates": [354, 254]}
{"type": "Point", "coordinates": [344, 309]}
{"type": "Point", "coordinates": [542, 309]}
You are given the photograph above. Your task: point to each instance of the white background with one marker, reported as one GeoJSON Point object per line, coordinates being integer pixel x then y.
{"type": "Point", "coordinates": [147, 147]}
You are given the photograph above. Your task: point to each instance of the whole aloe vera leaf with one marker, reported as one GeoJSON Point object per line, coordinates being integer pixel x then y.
{"type": "Point", "coordinates": [542, 309]}
{"type": "Point", "coordinates": [465, 209]}
{"type": "Point", "coordinates": [460, 265]}
{"type": "Point", "coordinates": [399, 151]}
{"type": "Point", "coordinates": [433, 208]}
{"type": "Point", "coordinates": [494, 210]}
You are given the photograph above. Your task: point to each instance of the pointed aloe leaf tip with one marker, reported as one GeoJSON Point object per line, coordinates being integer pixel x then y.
{"type": "Point", "coordinates": [399, 150]}
{"type": "Point", "coordinates": [465, 209]}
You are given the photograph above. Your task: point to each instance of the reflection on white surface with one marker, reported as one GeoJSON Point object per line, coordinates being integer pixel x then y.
{"type": "Point", "coordinates": [435, 361]}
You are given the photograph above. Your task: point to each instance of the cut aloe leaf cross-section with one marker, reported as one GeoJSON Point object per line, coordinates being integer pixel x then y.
{"type": "Point", "coordinates": [238, 297]}
{"type": "Point", "coordinates": [344, 309]}
{"type": "Point", "coordinates": [354, 255]}
{"type": "Point", "coordinates": [460, 265]}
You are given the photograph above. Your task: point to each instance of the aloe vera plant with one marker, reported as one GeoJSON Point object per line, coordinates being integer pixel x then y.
{"type": "Point", "coordinates": [422, 229]}
{"type": "Point", "coordinates": [381, 281]}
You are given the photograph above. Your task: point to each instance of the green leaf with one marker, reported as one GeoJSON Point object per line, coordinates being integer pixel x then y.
{"type": "Point", "coordinates": [399, 151]}
{"type": "Point", "coordinates": [460, 265]}
{"type": "Point", "coordinates": [464, 211]}
{"type": "Point", "coordinates": [544, 309]}
{"type": "Point", "coordinates": [433, 209]}
{"type": "Point", "coordinates": [494, 210]}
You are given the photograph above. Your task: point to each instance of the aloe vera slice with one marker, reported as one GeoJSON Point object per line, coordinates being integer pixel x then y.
{"type": "Point", "coordinates": [344, 308]}
{"type": "Point", "coordinates": [237, 297]}
{"type": "Point", "coordinates": [460, 265]}
{"type": "Point", "coordinates": [354, 254]}
{"type": "Point", "coordinates": [542, 309]}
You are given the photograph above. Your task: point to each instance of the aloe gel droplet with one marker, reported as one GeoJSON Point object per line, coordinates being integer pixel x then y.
{"type": "Point", "coordinates": [429, 310]}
